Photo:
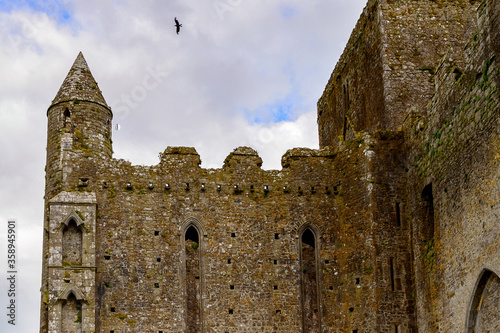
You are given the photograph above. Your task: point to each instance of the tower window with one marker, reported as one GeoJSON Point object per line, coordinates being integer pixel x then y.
{"type": "Point", "coordinates": [67, 117]}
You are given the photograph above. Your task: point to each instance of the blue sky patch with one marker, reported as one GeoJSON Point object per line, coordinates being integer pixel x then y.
{"type": "Point", "coordinates": [54, 9]}
{"type": "Point", "coordinates": [287, 11]}
{"type": "Point", "coordinates": [282, 110]}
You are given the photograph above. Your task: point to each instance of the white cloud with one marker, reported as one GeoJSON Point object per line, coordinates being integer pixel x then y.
{"type": "Point", "coordinates": [255, 53]}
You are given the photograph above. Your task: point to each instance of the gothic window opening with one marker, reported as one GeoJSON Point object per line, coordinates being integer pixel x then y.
{"type": "Point", "coordinates": [71, 317]}
{"type": "Point", "coordinates": [310, 299]}
{"type": "Point", "coordinates": [193, 281]}
{"type": "Point", "coordinates": [484, 311]}
{"type": "Point", "coordinates": [72, 244]}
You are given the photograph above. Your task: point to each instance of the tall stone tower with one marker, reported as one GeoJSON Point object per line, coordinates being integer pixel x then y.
{"type": "Point", "coordinates": [79, 129]}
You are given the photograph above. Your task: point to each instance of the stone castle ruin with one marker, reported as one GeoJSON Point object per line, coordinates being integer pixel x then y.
{"type": "Point", "coordinates": [391, 226]}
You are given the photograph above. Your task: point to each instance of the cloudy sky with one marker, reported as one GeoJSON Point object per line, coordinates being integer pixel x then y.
{"type": "Point", "coordinates": [240, 73]}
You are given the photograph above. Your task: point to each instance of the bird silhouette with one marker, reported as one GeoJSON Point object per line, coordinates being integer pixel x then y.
{"type": "Point", "coordinates": [177, 25]}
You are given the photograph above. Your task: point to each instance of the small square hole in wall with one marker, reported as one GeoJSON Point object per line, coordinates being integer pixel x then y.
{"type": "Point", "coordinates": [275, 287]}
{"type": "Point", "coordinates": [331, 287]}
{"type": "Point", "coordinates": [157, 285]}
{"type": "Point", "coordinates": [276, 236]}
{"type": "Point", "coordinates": [327, 262]}
{"type": "Point", "coordinates": [157, 233]}
{"type": "Point", "coordinates": [230, 311]}
{"type": "Point", "coordinates": [233, 234]}
{"type": "Point", "coordinates": [231, 287]}
{"type": "Point", "coordinates": [160, 331]}
{"type": "Point", "coordinates": [197, 277]}
{"type": "Point", "coordinates": [107, 257]}
{"type": "Point", "coordinates": [351, 309]}
{"type": "Point", "coordinates": [278, 311]}
{"type": "Point", "coordinates": [354, 331]}
{"type": "Point", "coordinates": [228, 261]}
{"type": "Point", "coordinates": [111, 331]}
{"type": "Point", "coordinates": [113, 310]}
{"type": "Point", "coordinates": [275, 262]}
{"type": "Point", "coordinates": [357, 280]}
{"type": "Point", "coordinates": [158, 259]}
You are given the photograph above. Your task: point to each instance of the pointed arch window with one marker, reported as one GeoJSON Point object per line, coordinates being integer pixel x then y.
{"type": "Point", "coordinates": [71, 314]}
{"type": "Point", "coordinates": [193, 246]}
{"type": "Point", "coordinates": [309, 280]}
{"type": "Point", "coordinates": [484, 306]}
{"type": "Point", "coordinates": [72, 238]}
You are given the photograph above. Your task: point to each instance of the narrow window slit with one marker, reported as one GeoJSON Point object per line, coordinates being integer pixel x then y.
{"type": "Point", "coordinates": [398, 215]}
{"type": "Point", "coordinates": [391, 268]}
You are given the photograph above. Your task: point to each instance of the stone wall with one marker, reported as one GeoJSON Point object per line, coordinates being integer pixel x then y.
{"type": "Point", "coordinates": [390, 227]}
{"type": "Point", "coordinates": [250, 244]}
{"type": "Point", "coordinates": [353, 97]}
{"type": "Point", "coordinates": [458, 154]}
{"type": "Point", "coordinates": [388, 64]}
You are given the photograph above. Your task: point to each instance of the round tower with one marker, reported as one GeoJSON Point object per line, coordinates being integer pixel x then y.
{"type": "Point", "coordinates": [79, 123]}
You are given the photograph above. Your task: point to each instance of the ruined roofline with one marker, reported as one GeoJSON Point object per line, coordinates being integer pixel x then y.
{"type": "Point", "coordinates": [242, 153]}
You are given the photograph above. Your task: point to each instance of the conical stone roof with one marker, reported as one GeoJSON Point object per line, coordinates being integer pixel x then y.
{"type": "Point", "coordinates": [80, 85]}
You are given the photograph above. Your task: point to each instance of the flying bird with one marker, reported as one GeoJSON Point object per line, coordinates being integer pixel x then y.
{"type": "Point", "coordinates": [177, 25]}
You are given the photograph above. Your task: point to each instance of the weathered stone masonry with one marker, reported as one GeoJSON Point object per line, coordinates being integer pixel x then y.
{"type": "Point", "coordinates": [391, 226]}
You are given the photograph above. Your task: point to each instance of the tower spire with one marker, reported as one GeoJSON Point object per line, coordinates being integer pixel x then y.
{"type": "Point", "coordinates": [79, 84]}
